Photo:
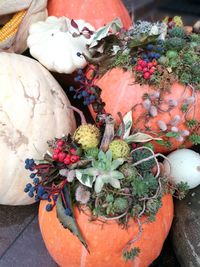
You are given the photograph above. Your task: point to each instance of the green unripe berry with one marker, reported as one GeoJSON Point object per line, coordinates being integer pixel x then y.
{"type": "Point", "coordinates": [119, 149]}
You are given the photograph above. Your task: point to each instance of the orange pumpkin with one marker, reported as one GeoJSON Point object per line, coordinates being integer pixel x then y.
{"type": "Point", "coordinates": [120, 93]}
{"type": "Point", "coordinates": [105, 241]}
{"type": "Point", "coordinates": [96, 12]}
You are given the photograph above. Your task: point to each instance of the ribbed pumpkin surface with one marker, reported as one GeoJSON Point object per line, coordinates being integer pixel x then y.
{"type": "Point", "coordinates": [105, 241]}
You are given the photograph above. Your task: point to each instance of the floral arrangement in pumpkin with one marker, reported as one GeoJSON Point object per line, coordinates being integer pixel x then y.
{"type": "Point", "coordinates": [106, 169]}
{"type": "Point", "coordinates": [158, 54]}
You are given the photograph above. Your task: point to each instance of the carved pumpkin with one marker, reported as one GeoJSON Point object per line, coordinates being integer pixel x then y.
{"type": "Point", "coordinates": [33, 109]}
{"type": "Point", "coordinates": [106, 241]}
{"type": "Point", "coordinates": [96, 12]}
{"type": "Point", "coordinates": [121, 94]}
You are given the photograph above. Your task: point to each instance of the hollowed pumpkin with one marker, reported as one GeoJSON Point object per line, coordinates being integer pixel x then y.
{"type": "Point", "coordinates": [96, 12]}
{"type": "Point", "coordinates": [105, 241]}
{"type": "Point", "coordinates": [120, 93]}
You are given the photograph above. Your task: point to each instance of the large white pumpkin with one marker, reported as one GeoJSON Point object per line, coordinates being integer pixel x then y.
{"type": "Point", "coordinates": [33, 109]}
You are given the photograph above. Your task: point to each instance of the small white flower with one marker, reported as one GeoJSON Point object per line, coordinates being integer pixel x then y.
{"type": "Point", "coordinates": [180, 138]}
{"type": "Point", "coordinates": [71, 175]}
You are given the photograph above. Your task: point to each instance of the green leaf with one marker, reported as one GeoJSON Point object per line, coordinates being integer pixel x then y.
{"type": "Point", "coordinates": [104, 31]}
{"type": "Point", "coordinates": [141, 138]}
{"type": "Point", "coordinates": [68, 222]}
{"type": "Point", "coordinates": [115, 183]}
{"type": "Point", "coordinates": [128, 121]}
{"type": "Point", "coordinates": [99, 183]}
{"type": "Point", "coordinates": [116, 175]}
{"type": "Point", "coordinates": [173, 134]}
{"type": "Point", "coordinates": [195, 139]}
{"type": "Point", "coordinates": [116, 163]}
{"type": "Point", "coordinates": [84, 178]}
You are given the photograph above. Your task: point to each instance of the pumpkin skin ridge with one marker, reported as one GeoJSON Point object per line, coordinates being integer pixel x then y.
{"type": "Point", "coordinates": [98, 16]}
{"type": "Point", "coordinates": [31, 115]}
{"type": "Point", "coordinates": [132, 94]}
{"type": "Point", "coordinates": [116, 238]}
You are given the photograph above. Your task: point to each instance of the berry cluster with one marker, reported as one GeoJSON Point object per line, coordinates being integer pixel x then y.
{"type": "Point", "coordinates": [60, 155]}
{"type": "Point", "coordinates": [85, 89]}
{"type": "Point", "coordinates": [147, 68]}
{"type": "Point", "coordinates": [29, 164]}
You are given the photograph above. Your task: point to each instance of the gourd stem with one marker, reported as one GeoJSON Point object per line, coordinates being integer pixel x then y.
{"type": "Point", "coordinates": [122, 123]}
{"type": "Point", "coordinates": [83, 120]}
{"type": "Point", "coordinates": [108, 133]}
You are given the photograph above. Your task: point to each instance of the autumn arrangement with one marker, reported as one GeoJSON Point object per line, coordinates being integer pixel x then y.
{"type": "Point", "coordinates": [112, 170]}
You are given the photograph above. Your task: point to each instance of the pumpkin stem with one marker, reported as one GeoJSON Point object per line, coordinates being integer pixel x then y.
{"type": "Point", "coordinates": [122, 123]}
{"type": "Point", "coordinates": [108, 132]}
{"type": "Point", "coordinates": [83, 120]}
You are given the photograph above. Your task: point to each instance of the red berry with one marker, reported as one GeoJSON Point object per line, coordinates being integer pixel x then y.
{"type": "Point", "coordinates": [144, 64]}
{"type": "Point", "coordinates": [72, 151]}
{"type": "Point", "coordinates": [73, 158]}
{"type": "Point", "coordinates": [60, 143]}
{"type": "Point", "coordinates": [61, 156]}
{"type": "Point", "coordinates": [139, 68]}
{"type": "Point", "coordinates": [67, 161]}
{"type": "Point", "coordinates": [151, 71]}
{"type": "Point", "coordinates": [55, 156]}
{"type": "Point", "coordinates": [56, 150]}
{"type": "Point", "coordinates": [145, 69]}
{"type": "Point", "coordinates": [140, 61]}
{"type": "Point", "coordinates": [154, 62]}
{"type": "Point", "coordinates": [147, 75]}
{"type": "Point", "coordinates": [150, 64]}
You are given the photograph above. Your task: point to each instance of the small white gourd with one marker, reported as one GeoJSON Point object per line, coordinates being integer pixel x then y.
{"type": "Point", "coordinates": [185, 167]}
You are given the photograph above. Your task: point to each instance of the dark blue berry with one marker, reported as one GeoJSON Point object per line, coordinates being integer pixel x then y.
{"type": "Point", "coordinates": [32, 189]}
{"type": "Point", "coordinates": [45, 196]}
{"type": "Point", "coordinates": [26, 189]}
{"type": "Point", "coordinates": [74, 97]}
{"type": "Point", "coordinates": [79, 96]}
{"type": "Point", "coordinates": [49, 207]}
{"type": "Point", "coordinates": [71, 88]}
{"type": "Point", "coordinates": [30, 194]}
{"type": "Point", "coordinates": [29, 185]}
{"type": "Point", "coordinates": [157, 55]}
{"type": "Point", "coordinates": [145, 56]}
{"type": "Point", "coordinates": [36, 181]}
{"type": "Point", "coordinates": [68, 212]}
{"type": "Point", "coordinates": [78, 54]}
{"type": "Point", "coordinates": [150, 47]}
{"type": "Point", "coordinates": [85, 93]}
{"type": "Point", "coordinates": [32, 175]}
{"type": "Point", "coordinates": [159, 48]}
{"type": "Point", "coordinates": [40, 190]}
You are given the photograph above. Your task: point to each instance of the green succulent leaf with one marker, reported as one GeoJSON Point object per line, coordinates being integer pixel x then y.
{"type": "Point", "coordinates": [116, 163]}
{"type": "Point", "coordinates": [116, 174]}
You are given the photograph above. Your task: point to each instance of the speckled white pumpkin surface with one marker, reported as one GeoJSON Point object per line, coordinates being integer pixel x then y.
{"type": "Point", "coordinates": [33, 109]}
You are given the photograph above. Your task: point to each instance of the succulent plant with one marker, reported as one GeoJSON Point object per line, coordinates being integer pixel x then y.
{"type": "Point", "coordinates": [130, 172]}
{"type": "Point", "coordinates": [120, 204]}
{"type": "Point", "coordinates": [103, 171]}
{"type": "Point", "coordinates": [175, 43]}
{"type": "Point", "coordinates": [87, 135]}
{"type": "Point", "coordinates": [177, 32]}
{"type": "Point", "coordinates": [119, 149]}
{"type": "Point", "coordinates": [142, 154]}
{"type": "Point", "coordinates": [92, 152]}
